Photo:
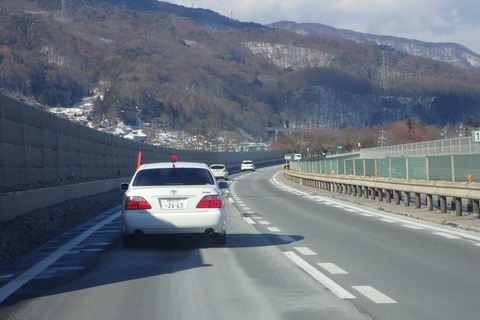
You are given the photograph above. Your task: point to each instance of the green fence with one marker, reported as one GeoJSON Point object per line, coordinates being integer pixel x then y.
{"type": "Point", "coordinates": [455, 167]}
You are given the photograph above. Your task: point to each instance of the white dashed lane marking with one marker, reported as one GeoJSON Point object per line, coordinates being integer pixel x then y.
{"type": "Point", "coordinates": [332, 268]}
{"type": "Point", "coordinates": [373, 294]}
{"type": "Point", "coordinates": [263, 222]}
{"type": "Point", "coordinates": [320, 277]}
{"type": "Point", "coordinates": [249, 221]}
{"type": "Point", "coordinates": [305, 251]}
{"type": "Point", "coordinates": [273, 229]}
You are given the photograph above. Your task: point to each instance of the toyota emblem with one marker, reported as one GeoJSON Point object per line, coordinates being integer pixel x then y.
{"type": "Point", "coordinates": [173, 191]}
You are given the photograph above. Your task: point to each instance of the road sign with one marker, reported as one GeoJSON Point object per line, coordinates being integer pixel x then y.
{"type": "Point", "coordinates": [476, 136]}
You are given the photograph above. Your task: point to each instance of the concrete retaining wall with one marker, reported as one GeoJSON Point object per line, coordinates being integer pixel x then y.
{"type": "Point", "coordinates": [46, 159]}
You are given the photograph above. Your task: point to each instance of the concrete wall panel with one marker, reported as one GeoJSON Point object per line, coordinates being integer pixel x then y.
{"type": "Point", "coordinates": [75, 144]}
{"type": "Point", "coordinates": [50, 121]}
{"type": "Point", "coordinates": [33, 117]}
{"type": "Point", "coordinates": [63, 142]}
{"type": "Point", "coordinates": [13, 110]}
{"type": "Point", "coordinates": [50, 140]}
{"type": "Point", "coordinates": [51, 158]}
{"type": "Point", "coordinates": [13, 176]}
{"type": "Point", "coordinates": [35, 175]}
{"type": "Point", "coordinates": [33, 136]}
{"type": "Point", "coordinates": [51, 174]}
{"type": "Point", "coordinates": [13, 132]}
{"type": "Point", "coordinates": [35, 157]}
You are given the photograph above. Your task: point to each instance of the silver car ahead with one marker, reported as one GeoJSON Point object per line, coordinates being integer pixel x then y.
{"type": "Point", "coordinates": [219, 171]}
{"type": "Point", "coordinates": [247, 165]}
{"type": "Point", "coordinates": [173, 198]}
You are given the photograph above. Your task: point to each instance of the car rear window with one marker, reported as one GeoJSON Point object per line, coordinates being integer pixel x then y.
{"type": "Point", "coordinates": [173, 176]}
{"type": "Point", "coordinates": [247, 162]}
{"type": "Point", "coordinates": [217, 167]}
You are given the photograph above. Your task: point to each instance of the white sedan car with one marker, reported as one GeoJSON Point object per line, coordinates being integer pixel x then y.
{"type": "Point", "coordinates": [219, 171]}
{"type": "Point", "coordinates": [247, 165]}
{"type": "Point", "coordinates": [173, 198]}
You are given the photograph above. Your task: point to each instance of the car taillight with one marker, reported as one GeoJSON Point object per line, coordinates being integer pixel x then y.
{"type": "Point", "coordinates": [212, 201]}
{"type": "Point", "coordinates": [137, 203]}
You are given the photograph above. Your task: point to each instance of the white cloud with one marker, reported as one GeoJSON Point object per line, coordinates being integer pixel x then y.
{"type": "Point", "coordinates": [427, 20]}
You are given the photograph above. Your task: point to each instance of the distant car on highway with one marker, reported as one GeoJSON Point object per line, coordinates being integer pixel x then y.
{"type": "Point", "coordinates": [173, 198]}
{"type": "Point", "coordinates": [219, 171]}
{"type": "Point", "coordinates": [247, 165]}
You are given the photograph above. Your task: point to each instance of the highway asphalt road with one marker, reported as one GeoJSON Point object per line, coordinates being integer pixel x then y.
{"type": "Point", "coordinates": [289, 255]}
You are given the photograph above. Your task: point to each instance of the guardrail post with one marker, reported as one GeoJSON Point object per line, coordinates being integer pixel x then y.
{"type": "Point", "coordinates": [407, 199]}
{"type": "Point", "coordinates": [365, 192]}
{"type": "Point", "coordinates": [458, 206]}
{"type": "Point", "coordinates": [476, 206]}
{"type": "Point", "coordinates": [429, 202]}
{"type": "Point", "coordinates": [397, 197]}
{"type": "Point", "coordinates": [373, 193]}
{"type": "Point", "coordinates": [443, 204]}
{"type": "Point", "coordinates": [388, 194]}
{"type": "Point", "coordinates": [417, 201]}
{"type": "Point", "coordinates": [380, 195]}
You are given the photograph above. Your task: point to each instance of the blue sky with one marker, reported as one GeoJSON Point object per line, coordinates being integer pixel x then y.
{"type": "Point", "coordinates": [455, 21]}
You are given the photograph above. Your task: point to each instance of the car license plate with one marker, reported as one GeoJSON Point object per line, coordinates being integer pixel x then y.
{"type": "Point", "coordinates": [173, 204]}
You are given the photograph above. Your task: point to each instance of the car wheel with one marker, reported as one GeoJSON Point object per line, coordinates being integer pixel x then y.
{"type": "Point", "coordinates": [219, 240]}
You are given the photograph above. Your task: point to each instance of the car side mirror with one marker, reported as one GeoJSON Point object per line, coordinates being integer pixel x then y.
{"type": "Point", "coordinates": [223, 184]}
{"type": "Point", "coordinates": [124, 186]}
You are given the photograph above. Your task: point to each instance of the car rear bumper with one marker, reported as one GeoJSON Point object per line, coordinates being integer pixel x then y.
{"type": "Point", "coordinates": [173, 223]}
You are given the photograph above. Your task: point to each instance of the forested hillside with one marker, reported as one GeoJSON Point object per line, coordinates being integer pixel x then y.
{"type": "Point", "coordinates": [170, 67]}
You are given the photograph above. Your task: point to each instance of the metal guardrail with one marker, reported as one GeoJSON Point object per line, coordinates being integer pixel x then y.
{"type": "Point", "coordinates": [397, 190]}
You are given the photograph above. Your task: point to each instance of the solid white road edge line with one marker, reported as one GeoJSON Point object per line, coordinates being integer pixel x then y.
{"type": "Point", "coordinates": [31, 273]}
{"type": "Point", "coordinates": [320, 277]}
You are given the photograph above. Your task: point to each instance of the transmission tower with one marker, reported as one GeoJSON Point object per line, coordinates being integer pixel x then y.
{"type": "Point", "coordinates": [174, 23]}
{"type": "Point", "coordinates": [292, 56]}
{"type": "Point", "coordinates": [381, 138]}
{"type": "Point", "coordinates": [64, 11]}
{"type": "Point", "coordinates": [383, 73]}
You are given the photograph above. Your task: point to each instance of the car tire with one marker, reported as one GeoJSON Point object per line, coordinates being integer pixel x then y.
{"type": "Point", "coordinates": [219, 240]}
